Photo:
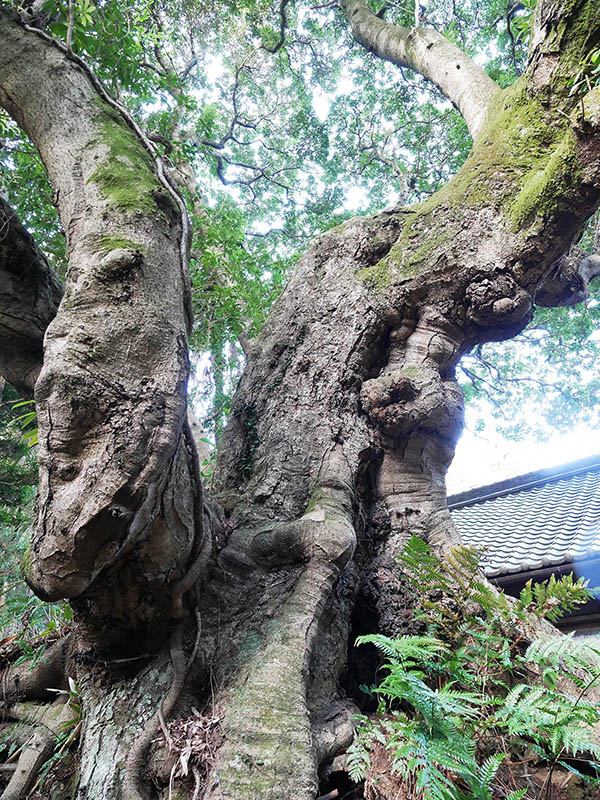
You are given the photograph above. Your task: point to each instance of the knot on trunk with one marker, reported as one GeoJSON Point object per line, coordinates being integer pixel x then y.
{"type": "Point", "coordinates": [498, 302]}
{"type": "Point", "coordinates": [119, 263]}
{"type": "Point", "coordinates": [406, 399]}
{"type": "Point", "coordinates": [324, 532]}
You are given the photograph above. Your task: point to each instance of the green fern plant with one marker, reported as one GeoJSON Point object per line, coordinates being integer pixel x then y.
{"type": "Point", "coordinates": [448, 697]}
{"type": "Point", "coordinates": [27, 422]}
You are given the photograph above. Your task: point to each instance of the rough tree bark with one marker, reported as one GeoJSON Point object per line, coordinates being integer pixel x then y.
{"type": "Point", "coordinates": [342, 428]}
{"type": "Point", "coordinates": [29, 298]}
{"type": "Point", "coordinates": [119, 477]}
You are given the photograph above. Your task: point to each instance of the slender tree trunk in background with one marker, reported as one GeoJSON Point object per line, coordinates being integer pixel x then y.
{"type": "Point", "coordinates": [341, 431]}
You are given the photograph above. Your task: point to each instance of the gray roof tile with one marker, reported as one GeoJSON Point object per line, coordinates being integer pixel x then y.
{"type": "Point", "coordinates": [541, 519]}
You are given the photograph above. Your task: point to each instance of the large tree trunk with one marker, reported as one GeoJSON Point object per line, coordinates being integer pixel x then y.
{"type": "Point", "coordinates": [120, 529]}
{"type": "Point", "coordinates": [342, 428]}
{"type": "Point", "coordinates": [29, 298]}
{"type": "Point", "coordinates": [348, 412]}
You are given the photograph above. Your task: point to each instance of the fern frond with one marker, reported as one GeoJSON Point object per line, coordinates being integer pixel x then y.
{"type": "Point", "coordinates": [414, 648]}
{"type": "Point", "coordinates": [516, 794]}
{"type": "Point", "coordinates": [358, 760]}
{"type": "Point", "coordinates": [489, 768]}
{"type": "Point", "coordinates": [591, 780]}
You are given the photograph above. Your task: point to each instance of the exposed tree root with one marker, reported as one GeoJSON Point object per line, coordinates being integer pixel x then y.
{"type": "Point", "coordinates": [333, 730]}
{"type": "Point", "coordinates": [49, 722]}
{"type": "Point", "coordinates": [203, 540]}
{"type": "Point", "coordinates": [132, 789]}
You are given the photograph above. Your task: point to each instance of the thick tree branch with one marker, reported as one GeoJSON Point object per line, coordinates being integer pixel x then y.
{"type": "Point", "coordinates": [282, 26]}
{"type": "Point", "coordinates": [32, 683]}
{"type": "Point", "coordinates": [428, 52]}
{"type": "Point", "coordinates": [568, 283]}
{"type": "Point", "coordinates": [29, 296]}
{"type": "Point", "coordinates": [117, 480]}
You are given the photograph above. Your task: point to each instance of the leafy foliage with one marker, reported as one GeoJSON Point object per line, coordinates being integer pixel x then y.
{"type": "Point", "coordinates": [17, 480]}
{"type": "Point", "coordinates": [21, 613]}
{"type": "Point", "coordinates": [455, 702]}
{"type": "Point", "coordinates": [270, 144]}
{"type": "Point", "coordinates": [27, 421]}
{"type": "Point", "coordinates": [588, 74]}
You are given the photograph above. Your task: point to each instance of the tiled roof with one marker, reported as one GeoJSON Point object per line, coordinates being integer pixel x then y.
{"type": "Point", "coordinates": [535, 521]}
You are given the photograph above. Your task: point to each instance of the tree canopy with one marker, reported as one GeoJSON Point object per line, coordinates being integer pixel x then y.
{"type": "Point", "coordinates": [279, 128]}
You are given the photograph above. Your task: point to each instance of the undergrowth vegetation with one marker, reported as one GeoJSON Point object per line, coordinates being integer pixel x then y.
{"type": "Point", "coordinates": [23, 616]}
{"type": "Point", "coordinates": [472, 708]}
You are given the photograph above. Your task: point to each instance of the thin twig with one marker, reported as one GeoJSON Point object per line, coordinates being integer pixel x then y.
{"type": "Point", "coordinates": [197, 784]}
{"type": "Point", "coordinates": [70, 28]}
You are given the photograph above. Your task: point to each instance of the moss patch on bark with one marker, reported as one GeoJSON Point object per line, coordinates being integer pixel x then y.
{"type": "Point", "coordinates": [546, 190]}
{"type": "Point", "coordinates": [523, 164]}
{"type": "Point", "coordinates": [126, 176]}
{"type": "Point", "coordinates": [109, 242]}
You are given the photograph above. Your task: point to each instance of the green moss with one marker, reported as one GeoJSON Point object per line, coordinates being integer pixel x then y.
{"type": "Point", "coordinates": [523, 164]}
{"type": "Point", "coordinates": [126, 177]}
{"type": "Point", "coordinates": [403, 262]}
{"type": "Point", "coordinates": [576, 36]}
{"type": "Point", "coordinates": [513, 142]}
{"type": "Point", "coordinates": [508, 155]}
{"type": "Point", "coordinates": [327, 503]}
{"type": "Point", "coordinates": [377, 277]}
{"type": "Point", "coordinates": [547, 189]}
{"type": "Point", "coordinates": [315, 499]}
{"type": "Point", "coordinates": [268, 696]}
{"type": "Point", "coordinates": [109, 242]}
{"type": "Point", "coordinates": [411, 372]}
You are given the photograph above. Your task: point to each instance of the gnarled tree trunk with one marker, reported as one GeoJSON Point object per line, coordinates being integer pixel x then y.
{"type": "Point", "coordinates": [342, 428]}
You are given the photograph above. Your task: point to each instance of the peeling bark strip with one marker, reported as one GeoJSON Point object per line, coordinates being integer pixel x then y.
{"type": "Point", "coordinates": [116, 476]}
{"type": "Point", "coordinates": [29, 298]}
